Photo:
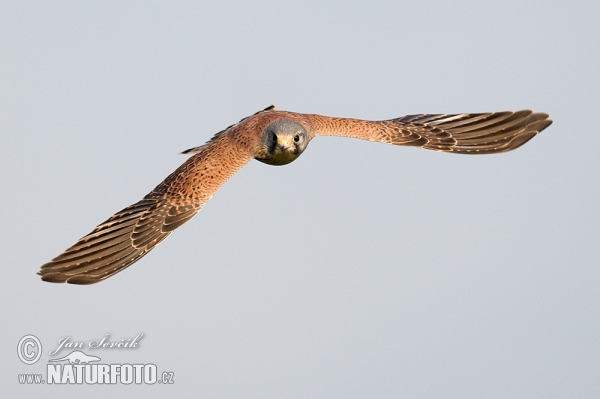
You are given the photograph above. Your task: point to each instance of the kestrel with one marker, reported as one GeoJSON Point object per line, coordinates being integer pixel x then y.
{"type": "Point", "coordinates": [276, 138]}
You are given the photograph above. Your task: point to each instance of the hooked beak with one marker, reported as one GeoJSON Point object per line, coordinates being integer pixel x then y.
{"type": "Point", "coordinates": [285, 147]}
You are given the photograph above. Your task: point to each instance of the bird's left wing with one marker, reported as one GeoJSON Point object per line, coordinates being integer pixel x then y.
{"type": "Point", "coordinates": [483, 133]}
{"type": "Point", "coordinates": [134, 231]}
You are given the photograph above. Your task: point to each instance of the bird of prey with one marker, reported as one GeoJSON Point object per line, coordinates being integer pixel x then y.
{"type": "Point", "coordinates": [276, 138]}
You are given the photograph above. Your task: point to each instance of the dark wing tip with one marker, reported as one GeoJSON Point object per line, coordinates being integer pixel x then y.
{"type": "Point", "coordinates": [535, 123]}
{"type": "Point", "coordinates": [55, 277]}
{"type": "Point", "coordinates": [82, 279]}
{"type": "Point", "coordinates": [521, 139]}
{"type": "Point", "coordinates": [193, 150]}
{"type": "Point", "coordinates": [494, 133]}
{"type": "Point", "coordinates": [107, 250]}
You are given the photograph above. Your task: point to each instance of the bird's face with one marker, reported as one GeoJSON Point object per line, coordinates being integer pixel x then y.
{"type": "Point", "coordinates": [282, 142]}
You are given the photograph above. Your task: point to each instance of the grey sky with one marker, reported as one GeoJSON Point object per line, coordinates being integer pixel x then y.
{"type": "Point", "coordinates": [359, 270]}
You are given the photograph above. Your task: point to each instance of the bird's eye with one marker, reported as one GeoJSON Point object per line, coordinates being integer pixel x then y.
{"type": "Point", "coordinates": [273, 137]}
{"type": "Point", "coordinates": [297, 138]}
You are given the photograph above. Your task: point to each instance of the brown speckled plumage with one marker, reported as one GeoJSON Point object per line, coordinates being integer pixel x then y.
{"type": "Point", "coordinates": [131, 233]}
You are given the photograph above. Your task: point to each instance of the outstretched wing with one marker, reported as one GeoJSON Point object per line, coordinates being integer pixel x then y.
{"type": "Point", "coordinates": [131, 233]}
{"type": "Point", "coordinates": [461, 133]}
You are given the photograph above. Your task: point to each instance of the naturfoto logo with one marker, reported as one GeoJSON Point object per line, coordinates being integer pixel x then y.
{"type": "Point", "coordinates": [78, 367]}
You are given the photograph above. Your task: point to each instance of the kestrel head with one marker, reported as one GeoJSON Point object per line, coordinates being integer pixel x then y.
{"type": "Point", "coordinates": [281, 142]}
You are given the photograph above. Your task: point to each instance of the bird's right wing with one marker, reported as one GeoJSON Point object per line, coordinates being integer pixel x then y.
{"type": "Point", "coordinates": [134, 231]}
{"type": "Point", "coordinates": [459, 133]}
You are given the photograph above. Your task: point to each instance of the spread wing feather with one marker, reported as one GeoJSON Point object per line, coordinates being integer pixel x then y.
{"type": "Point", "coordinates": [460, 133]}
{"type": "Point", "coordinates": [134, 231]}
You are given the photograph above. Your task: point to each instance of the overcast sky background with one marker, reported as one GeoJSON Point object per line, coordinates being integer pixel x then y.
{"type": "Point", "coordinates": [360, 270]}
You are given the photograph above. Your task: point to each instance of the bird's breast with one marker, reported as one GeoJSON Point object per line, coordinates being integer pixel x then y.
{"type": "Point", "coordinates": [278, 158]}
